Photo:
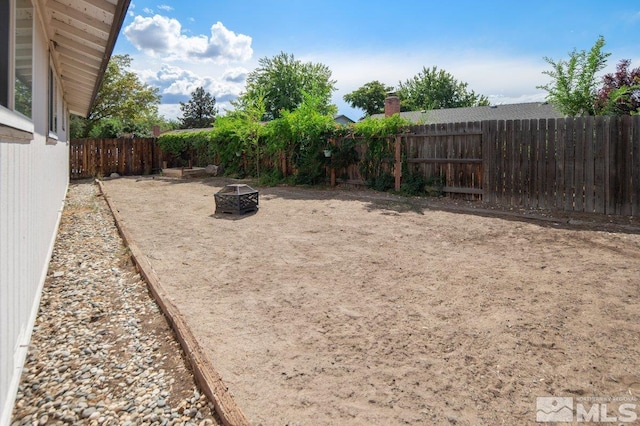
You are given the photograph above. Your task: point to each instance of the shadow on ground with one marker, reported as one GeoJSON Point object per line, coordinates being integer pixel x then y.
{"type": "Point", "coordinates": [392, 204]}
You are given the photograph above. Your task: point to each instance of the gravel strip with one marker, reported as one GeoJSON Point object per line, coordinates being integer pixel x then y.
{"type": "Point", "coordinates": [101, 352]}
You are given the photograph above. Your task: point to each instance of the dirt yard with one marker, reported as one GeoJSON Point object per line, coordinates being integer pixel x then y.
{"type": "Point", "coordinates": [360, 308]}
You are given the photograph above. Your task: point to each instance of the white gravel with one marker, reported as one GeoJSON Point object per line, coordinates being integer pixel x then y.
{"type": "Point", "coordinates": [101, 351]}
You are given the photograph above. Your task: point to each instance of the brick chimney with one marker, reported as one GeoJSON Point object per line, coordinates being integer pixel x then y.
{"type": "Point", "coordinates": [391, 104]}
{"type": "Point", "coordinates": [156, 131]}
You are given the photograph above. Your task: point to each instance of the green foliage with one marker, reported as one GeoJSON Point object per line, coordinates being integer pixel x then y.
{"type": "Point", "coordinates": [383, 182]}
{"type": "Point", "coordinates": [282, 82]}
{"type": "Point", "coordinates": [434, 186]}
{"type": "Point", "coordinates": [573, 89]}
{"type": "Point", "coordinates": [122, 97]}
{"type": "Point", "coordinates": [308, 127]}
{"type": "Point", "coordinates": [376, 135]}
{"type": "Point", "coordinates": [200, 111]}
{"type": "Point", "coordinates": [183, 146]}
{"type": "Point", "coordinates": [369, 97]}
{"type": "Point", "coordinates": [620, 91]}
{"type": "Point", "coordinates": [244, 146]}
{"type": "Point", "coordinates": [413, 184]}
{"type": "Point", "coordinates": [271, 178]}
{"type": "Point", "coordinates": [435, 89]}
{"type": "Point", "coordinates": [344, 155]}
{"type": "Point", "coordinates": [248, 129]}
{"type": "Point", "coordinates": [107, 128]}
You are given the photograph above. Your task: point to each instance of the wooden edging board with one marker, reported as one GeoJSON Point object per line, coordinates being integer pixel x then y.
{"type": "Point", "coordinates": [206, 376]}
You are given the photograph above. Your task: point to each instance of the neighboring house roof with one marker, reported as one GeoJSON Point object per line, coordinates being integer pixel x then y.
{"type": "Point", "coordinates": [530, 110]}
{"type": "Point", "coordinates": [343, 119]}
{"type": "Point", "coordinates": [83, 34]}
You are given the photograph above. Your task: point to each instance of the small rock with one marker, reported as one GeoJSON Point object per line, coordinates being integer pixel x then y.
{"type": "Point", "coordinates": [114, 175]}
{"type": "Point", "coordinates": [88, 412]}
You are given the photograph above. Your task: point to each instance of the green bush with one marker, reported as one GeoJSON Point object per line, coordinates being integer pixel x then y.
{"type": "Point", "coordinates": [413, 184]}
{"type": "Point", "coordinates": [383, 182]}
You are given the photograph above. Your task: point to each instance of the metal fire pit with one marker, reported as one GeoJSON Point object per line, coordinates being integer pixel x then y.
{"type": "Point", "coordinates": [236, 199]}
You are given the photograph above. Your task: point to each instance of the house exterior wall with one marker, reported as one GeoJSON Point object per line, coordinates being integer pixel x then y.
{"type": "Point", "coordinates": [34, 174]}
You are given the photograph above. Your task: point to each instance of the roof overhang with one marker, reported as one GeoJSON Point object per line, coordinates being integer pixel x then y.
{"type": "Point", "coordinates": [82, 34]}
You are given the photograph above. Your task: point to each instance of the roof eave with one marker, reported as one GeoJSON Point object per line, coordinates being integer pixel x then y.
{"type": "Point", "coordinates": [120, 14]}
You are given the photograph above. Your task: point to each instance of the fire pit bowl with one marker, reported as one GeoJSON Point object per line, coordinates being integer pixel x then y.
{"type": "Point", "coordinates": [236, 199]}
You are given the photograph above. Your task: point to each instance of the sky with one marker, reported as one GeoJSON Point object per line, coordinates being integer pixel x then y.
{"type": "Point", "coordinates": [496, 47]}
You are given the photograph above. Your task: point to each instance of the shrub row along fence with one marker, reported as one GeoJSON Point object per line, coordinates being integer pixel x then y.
{"type": "Point", "coordinates": [586, 164]}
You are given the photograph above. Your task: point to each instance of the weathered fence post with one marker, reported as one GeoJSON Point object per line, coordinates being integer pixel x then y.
{"type": "Point", "coordinates": [397, 169]}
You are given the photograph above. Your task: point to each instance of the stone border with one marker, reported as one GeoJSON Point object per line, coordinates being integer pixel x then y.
{"type": "Point", "coordinates": [205, 374]}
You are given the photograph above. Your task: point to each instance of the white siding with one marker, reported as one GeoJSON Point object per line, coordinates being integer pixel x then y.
{"type": "Point", "coordinates": [33, 182]}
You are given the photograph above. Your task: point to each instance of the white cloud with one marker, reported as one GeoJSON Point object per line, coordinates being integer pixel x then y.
{"type": "Point", "coordinates": [147, 10]}
{"type": "Point", "coordinates": [165, 7]}
{"type": "Point", "coordinates": [176, 85]}
{"type": "Point", "coordinates": [160, 36]}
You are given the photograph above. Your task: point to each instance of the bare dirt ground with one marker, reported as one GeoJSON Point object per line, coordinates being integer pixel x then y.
{"type": "Point", "coordinates": [359, 308]}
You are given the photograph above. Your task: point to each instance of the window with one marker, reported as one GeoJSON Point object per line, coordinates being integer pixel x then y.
{"type": "Point", "coordinates": [5, 20]}
{"type": "Point", "coordinates": [53, 102]}
{"type": "Point", "coordinates": [23, 57]}
{"type": "Point", "coordinates": [16, 55]}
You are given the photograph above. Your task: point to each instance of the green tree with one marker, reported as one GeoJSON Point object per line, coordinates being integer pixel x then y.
{"type": "Point", "coordinates": [282, 80]}
{"type": "Point", "coordinates": [200, 111]}
{"type": "Point", "coordinates": [370, 97]}
{"type": "Point", "coordinates": [435, 89]}
{"type": "Point", "coordinates": [122, 97]}
{"type": "Point", "coordinates": [574, 86]}
{"type": "Point", "coordinates": [248, 128]}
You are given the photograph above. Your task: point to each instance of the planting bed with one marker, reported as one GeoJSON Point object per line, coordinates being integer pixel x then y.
{"type": "Point", "coordinates": [360, 308]}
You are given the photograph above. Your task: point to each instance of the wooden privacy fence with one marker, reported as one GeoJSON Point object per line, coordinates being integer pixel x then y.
{"type": "Point", "coordinates": [585, 164]}
{"type": "Point", "coordinates": [589, 164]}
{"type": "Point", "coordinates": [452, 151]}
{"type": "Point", "coordinates": [101, 157]}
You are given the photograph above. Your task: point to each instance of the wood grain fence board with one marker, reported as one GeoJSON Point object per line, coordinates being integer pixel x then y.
{"type": "Point", "coordinates": [578, 168]}
{"type": "Point", "coordinates": [533, 169]}
{"type": "Point", "coordinates": [589, 167]}
{"type": "Point", "coordinates": [568, 164]}
{"type": "Point", "coordinates": [559, 164]}
{"type": "Point", "coordinates": [514, 153]}
{"type": "Point", "coordinates": [542, 170]}
{"type": "Point", "coordinates": [477, 153]}
{"type": "Point", "coordinates": [509, 163]}
{"type": "Point", "coordinates": [625, 165]}
{"type": "Point", "coordinates": [446, 160]}
{"type": "Point", "coordinates": [635, 167]}
{"type": "Point", "coordinates": [524, 163]}
{"type": "Point", "coordinates": [552, 148]}
{"type": "Point", "coordinates": [500, 161]}
{"type": "Point", "coordinates": [487, 156]}
{"type": "Point", "coordinates": [599, 179]}
{"type": "Point", "coordinates": [610, 165]}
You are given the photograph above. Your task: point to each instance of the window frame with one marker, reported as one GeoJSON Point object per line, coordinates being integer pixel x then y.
{"type": "Point", "coordinates": [9, 117]}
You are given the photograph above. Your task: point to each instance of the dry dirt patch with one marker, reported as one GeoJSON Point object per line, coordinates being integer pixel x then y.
{"type": "Point", "coordinates": [343, 307]}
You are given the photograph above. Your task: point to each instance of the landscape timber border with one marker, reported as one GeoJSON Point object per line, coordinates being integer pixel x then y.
{"type": "Point", "coordinates": [207, 378]}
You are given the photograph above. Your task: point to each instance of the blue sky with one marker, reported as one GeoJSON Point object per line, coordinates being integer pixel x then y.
{"type": "Point", "coordinates": [497, 47]}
